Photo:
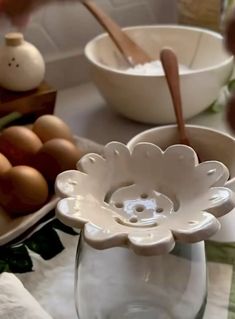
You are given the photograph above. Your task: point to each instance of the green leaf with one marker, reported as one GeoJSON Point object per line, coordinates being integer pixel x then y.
{"type": "Point", "coordinates": [231, 85]}
{"type": "Point", "coordinates": [216, 107]}
{"type": "Point", "coordinates": [219, 104]}
{"type": "Point", "coordinates": [15, 259]}
{"type": "Point", "coordinates": [4, 267]}
{"type": "Point", "coordinates": [45, 242]}
{"type": "Point", "coordinates": [230, 3]}
{"type": "Point", "coordinates": [20, 261]}
{"type": "Point", "coordinates": [9, 118]}
{"type": "Point", "coordinates": [68, 230]}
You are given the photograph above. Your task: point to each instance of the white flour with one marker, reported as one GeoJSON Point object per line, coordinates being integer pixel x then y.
{"type": "Point", "coordinates": [153, 68]}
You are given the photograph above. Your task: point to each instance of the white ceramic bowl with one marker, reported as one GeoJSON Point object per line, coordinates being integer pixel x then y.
{"type": "Point", "coordinates": [146, 98]}
{"type": "Point", "coordinates": [210, 145]}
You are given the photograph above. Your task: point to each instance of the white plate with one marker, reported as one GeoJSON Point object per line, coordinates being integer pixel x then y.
{"type": "Point", "coordinates": [11, 228]}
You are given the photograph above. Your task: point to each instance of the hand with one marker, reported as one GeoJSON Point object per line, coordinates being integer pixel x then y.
{"type": "Point", "coordinates": [229, 33]}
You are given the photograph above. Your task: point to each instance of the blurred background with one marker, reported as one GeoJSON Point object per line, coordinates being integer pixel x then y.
{"type": "Point", "coordinates": [60, 32]}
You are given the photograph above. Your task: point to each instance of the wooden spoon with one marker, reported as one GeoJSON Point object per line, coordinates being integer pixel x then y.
{"type": "Point", "coordinates": [171, 68]}
{"type": "Point", "coordinates": [132, 53]}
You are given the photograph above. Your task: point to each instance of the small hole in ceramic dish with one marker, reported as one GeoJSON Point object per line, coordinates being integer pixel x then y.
{"type": "Point", "coordinates": [119, 205]}
{"type": "Point", "coordinates": [192, 222]}
{"type": "Point", "coordinates": [215, 197]}
{"type": "Point", "coordinates": [133, 219]}
{"type": "Point", "coordinates": [76, 208]}
{"type": "Point", "coordinates": [73, 183]}
{"type": "Point", "coordinates": [139, 209]}
{"type": "Point", "coordinates": [159, 210]}
{"type": "Point", "coordinates": [9, 64]}
{"type": "Point", "coordinates": [92, 160]}
{"type": "Point", "coordinates": [133, 223]}
{"type": "Point", "coordinates": [17, 65]}
{"type": "Point", "coordinates": [13, 59]}
{"type": "Point", "coordinates": [144, 196]}
{"type": "Point", "coordinates": [155, 224]}
{"type": "Point", "coordinates": [211, 172]}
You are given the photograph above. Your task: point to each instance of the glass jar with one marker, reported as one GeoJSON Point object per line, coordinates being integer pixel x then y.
{"type": "Point", "coordinates": [116, 283]}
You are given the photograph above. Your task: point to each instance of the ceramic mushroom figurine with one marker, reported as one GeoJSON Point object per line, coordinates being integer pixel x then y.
{"type": "Point", "coordinates": [22, 67]}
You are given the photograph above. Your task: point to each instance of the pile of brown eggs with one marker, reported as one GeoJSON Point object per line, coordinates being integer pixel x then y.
{"type": "Point", "coordinates": [30, 160]}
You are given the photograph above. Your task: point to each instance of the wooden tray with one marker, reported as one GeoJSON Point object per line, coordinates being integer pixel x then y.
{"type": "Point", "coordinates": [39, 101]}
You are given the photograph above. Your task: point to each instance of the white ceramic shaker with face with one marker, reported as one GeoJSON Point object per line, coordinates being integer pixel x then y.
{"type": "Point", "coordinates": [22, 67]}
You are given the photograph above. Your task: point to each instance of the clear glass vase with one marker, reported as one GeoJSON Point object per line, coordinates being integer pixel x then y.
{"type": "Point", "coordinates": [116, 283]}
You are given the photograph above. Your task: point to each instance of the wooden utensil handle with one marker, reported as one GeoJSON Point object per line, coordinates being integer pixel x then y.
{"type": "Point", "coordinates": [130, 50]}
{"type": "Point", "coordinates": [171, 68]}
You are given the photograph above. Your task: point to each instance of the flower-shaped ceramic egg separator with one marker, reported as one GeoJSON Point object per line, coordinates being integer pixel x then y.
{"type": "Point", "coordinates": [22, 67]}
{"type": "Point", "coordinates": [145, 199]}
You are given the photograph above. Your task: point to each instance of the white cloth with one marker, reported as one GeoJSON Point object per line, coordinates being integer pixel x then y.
{"type": "Point", "coordinates": [52, 281]}
{"type": "Point", "coordinates": [16, 302]}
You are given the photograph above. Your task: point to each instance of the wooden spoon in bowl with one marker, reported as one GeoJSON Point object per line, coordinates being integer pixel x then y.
{"type": "Point", "coordinates": [171, 68]}
{"type": "Point", "coordinates": [132, 53]}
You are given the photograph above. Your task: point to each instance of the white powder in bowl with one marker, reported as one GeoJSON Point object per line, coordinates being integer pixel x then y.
{"type": "Point", "coordinates": [153, 68]}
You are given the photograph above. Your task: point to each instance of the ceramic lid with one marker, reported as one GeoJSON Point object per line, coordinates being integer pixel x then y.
{"type": "Point", "coordinates": [14, 39]}
{"type": "Point", "coordinates": [145, 199]}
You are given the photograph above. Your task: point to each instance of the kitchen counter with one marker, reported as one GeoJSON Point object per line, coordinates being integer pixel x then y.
{"type": "Point", "coordinates": [85, 111]}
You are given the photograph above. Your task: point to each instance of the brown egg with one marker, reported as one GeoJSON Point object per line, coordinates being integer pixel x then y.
{"type": "Point", "coordinates": [19, 145]}
{"type": "Point", "coordinates": [5, 165]}
{"type": "Point", "coordinates": [56, 156]}
{"type": "Point", "coordinates": [23, 190]}
{"type": "Point", "coordinates": [48, 127]}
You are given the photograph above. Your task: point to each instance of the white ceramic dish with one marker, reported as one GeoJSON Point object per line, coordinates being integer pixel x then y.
{"type": "Point", "coordinates": [210, 144]}
{"type": "Point", "coordinates": [12, 228]}
{"type": "Point", "coordinates": [146, 98]}
{"type": "Point", "coordinates": [141, 199]}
